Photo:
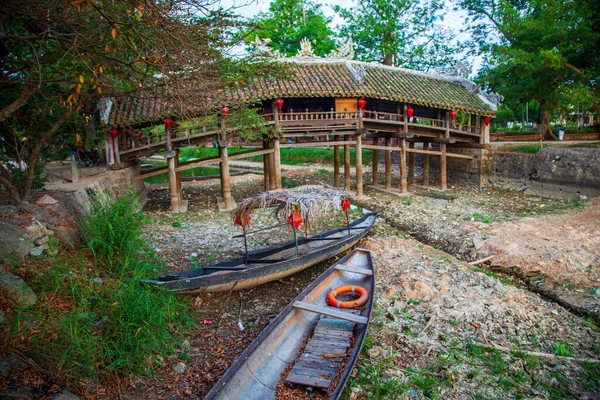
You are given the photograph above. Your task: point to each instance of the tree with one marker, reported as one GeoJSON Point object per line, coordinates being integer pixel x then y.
{"type": "Point", "coordinates": [57, 57]}
{"type": "Point", "coordinates": [289, 21]}
{"type": "Point", "coordinates": [538, 49]}
{"type": "Point", "coordinates": [399, 33]}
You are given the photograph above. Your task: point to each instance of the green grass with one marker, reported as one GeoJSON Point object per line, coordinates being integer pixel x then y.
{"type": "Point", "coordinates": [93, 316]}
{"type": "Point", "coordinates": [289, 156]}
{"type": "Point", "coordinates": [534, 148]}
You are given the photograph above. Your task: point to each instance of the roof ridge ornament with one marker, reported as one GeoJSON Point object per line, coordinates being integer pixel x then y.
{"type": "Point", "coordinates": [262, 48]}
{"type": "Point", "coordinates": [305, 49]}
{"type": "Point", "coordinates": [345, 50]}
{"type": "Point", "coordinates": [358, 71]}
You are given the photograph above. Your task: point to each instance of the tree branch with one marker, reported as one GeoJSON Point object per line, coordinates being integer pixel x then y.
{"type": "Point", "coordinates": [18, 103]}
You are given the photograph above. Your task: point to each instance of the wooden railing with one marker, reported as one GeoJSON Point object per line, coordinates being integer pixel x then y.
{"type": "Point", "coordinates": [135, 140]}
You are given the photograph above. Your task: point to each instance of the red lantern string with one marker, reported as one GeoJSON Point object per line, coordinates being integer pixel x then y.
{"type": "Point", "coordinates": [453, 115]}
{"type": "Point", "coordinates": [168, 123]}
{"type": "Point", "coordinates": [345, 204]}
{"type": "Point", "coordinates": [225, 110]}
{"type": "Point", "coordinates": [362, 103]}
{"type": "Point", "coordinates": [487, 120]}
{"type": "Point", "coordinates": [410, 112]}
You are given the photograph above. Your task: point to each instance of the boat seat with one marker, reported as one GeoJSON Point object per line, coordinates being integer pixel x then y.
{"type": "Point", "coordinates": [350, 268]}
{"type": "Point", "coordinates": [332, 312]}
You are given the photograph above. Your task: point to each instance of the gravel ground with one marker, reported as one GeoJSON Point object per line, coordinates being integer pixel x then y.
{"type": "Point", "coordinates": [436, 317]}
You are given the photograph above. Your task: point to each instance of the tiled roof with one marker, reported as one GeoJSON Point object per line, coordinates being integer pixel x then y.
{"type": "Point", "coordinates": [323, 78]}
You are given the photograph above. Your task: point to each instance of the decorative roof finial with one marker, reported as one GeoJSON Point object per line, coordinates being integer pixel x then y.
{"type": "Point", "coordinates": [345, 50]}
{"type": "Point", "coordinates": [306, 49]}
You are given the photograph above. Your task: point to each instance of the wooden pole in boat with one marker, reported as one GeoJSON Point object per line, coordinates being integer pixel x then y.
{"type": "Point", "coordinates": [295, 234]}
{"type": "Point", "coordinates": [245, 244]}
{"type": "Point", "coordinates": [336, 165]}
{"type": "Point", "coordinates": [347, 222]}
{"type": "Point", "coordinates": [426, 164]}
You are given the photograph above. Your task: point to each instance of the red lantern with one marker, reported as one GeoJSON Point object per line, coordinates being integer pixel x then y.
{"type": "Point", "coordinates": [168, 123]}
{"type": "Point", "coordinates": [245, 222]}
{"type": "Point", "coordinates": [295, 219]}
{"type": "Point", "coordinates": [410, 112]}
{"type": "Point", "coordinates": [487, 120]}
{"type": "Point", "coordinates": [225, 111]}
{"type": "Point", "coordinates": [279, 103]}
{"type": "Point", "coordinates": [114, 133]}
{"type": "Point", "coordinates": [453, 115]}
{"type": "Point", "coordinates": [345, 204]}
{"type": "Point", "coordinates": [362, 103]}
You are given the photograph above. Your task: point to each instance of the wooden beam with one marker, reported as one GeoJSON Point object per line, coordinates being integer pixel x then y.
{"type": "Point", "coordinates": [356, 270]}
{"type": "Point", "coordinates": [418, 151]}
{"type": "Point", "coordinates": [249, 153]}
{"type": "Point", "coordinates": [320, 144]}
{"type": "Point", "coordinates": [272, 168]}
{"type": "Point", "coordinates": [266, 164]}
{"type": "Point", "coordinates": [336, 166]}
{"type": "Point", "coordinates": [331, 312]}
{"type": "Point", "coordinates": [431, 140]}
{"type": "Point", "coordinates": [403, 183]}
{"type": "Point", "coordinates": [277, 163]}
{"type": "Point", "coordinates": [224, 173]}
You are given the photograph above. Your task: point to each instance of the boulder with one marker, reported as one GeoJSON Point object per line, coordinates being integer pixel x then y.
{"type": "Point", "coordinates": [45, 200]}
{"type": "Point", "coordinates": [64, 395]}
{"type": "Point", "coordinates": [8, 211]}
{"type": "Point", "coordinates": [12, 240]}
{"type": "Point", "coordinates": [16, 290]}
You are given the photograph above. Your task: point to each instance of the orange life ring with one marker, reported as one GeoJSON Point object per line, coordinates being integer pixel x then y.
{"type": "Point", "coordinates": [361, 301]}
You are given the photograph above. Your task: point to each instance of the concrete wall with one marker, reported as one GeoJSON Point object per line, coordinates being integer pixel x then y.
{"type": "Point", "coordinates": [553, 172]}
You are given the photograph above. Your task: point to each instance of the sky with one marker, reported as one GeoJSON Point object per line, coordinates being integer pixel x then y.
{"type": "Point", "coordinates": [453, 20]}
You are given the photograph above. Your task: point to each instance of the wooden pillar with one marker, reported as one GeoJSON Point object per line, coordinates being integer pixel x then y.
{"type": "Point", "coordinates": [277, 162]}
{"type": "Point", "coordinates": [375, 168]}
{"type": "Point", "coordinates": [347, 180]}
{"type": "Point", "coordinates": [411, 163]}
{"type": "Point", "coordinates": [426, 165]}
{"type": "Point", "coordinates": [174, 189]}
{"type": "Point", "coordinates": [224, 166]}
{"type": "Point", "coordinates": [266, 171]}
{"type": "Point", "coordinates": [388, 164]}
{"type": "Point", "coordinates": [443, 175]}
{"type": "Point", "coordinates": [178, 176]}
{"type": "Point", "coordinates": [336, 164]}
{"type": "Point", "coordinates": [276, 172]}
{"type": "Point", "coordinates": [359, 169]}
{"type": "Point", "coordinates": [403, 184]}
{"type": "Point", "coordinates": [272, 181]}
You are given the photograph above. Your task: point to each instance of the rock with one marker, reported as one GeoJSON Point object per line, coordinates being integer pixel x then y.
{"type": "Point", "coordinates": [12, 240]}
{"type": "Point", "coordinates": [179, 368]}
{"type": "Point", "coordinates": [64, 395]}
{"type": "Point", "coordinates": [420, 291]}
{"type": "Point", "coordinates": [37, 251]}
{"type": "Point", "coordinates": [41, 241]}
{"type": "Point", "coordinates": [8, 211]}
{"type": "Point", "coordinates": [45, 200]}
{"type": "Point", "coordinates": [390, 293]}
{"type": "Point", "coordinates": [16, 290]}
{"type": "Point", "coordinates": [376, 351]}
{"type": "Point", "coordinates": [35, 231]}
{"type": "Point", "coordinates": [5, 367]}
{"type": "Point", "coordinates": [478, 242]}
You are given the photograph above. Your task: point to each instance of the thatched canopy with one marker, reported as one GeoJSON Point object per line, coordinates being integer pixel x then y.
{"type": "Point", "coordinates": [311, 201]}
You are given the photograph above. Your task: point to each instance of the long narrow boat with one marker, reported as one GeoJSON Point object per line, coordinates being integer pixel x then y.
{"type": "Point", "coordinates": [309, 343]}
{"type": "Point", "coordinates": [267, 264]}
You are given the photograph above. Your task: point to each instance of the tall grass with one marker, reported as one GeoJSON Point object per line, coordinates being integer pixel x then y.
{"type": "Point", "coordinates": [94, 316]}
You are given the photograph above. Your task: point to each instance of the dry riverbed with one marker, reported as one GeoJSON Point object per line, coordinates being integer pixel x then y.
{"type": "Point", "coordinates": [441, 328]}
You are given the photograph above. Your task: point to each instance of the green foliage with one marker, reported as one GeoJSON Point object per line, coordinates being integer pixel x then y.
{"type": "Point", "coordinates": [545, 49]}
{"type": "Point", "coordinates": [561, 349]}
{"type": "Point", "coordinates": [398, 32]}
{"type": "Point", "coordinates": [111, 323]}
{"type": "Point", "coordinates": [289, 21]}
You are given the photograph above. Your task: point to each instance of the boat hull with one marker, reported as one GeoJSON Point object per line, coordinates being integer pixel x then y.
{"type": "Point", "coordinates": [258, 370]}
{"type": "Point", "coordinates": [253, 275]}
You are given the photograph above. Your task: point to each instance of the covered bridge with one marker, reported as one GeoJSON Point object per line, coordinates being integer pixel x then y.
{"type": "Point", "coordinates": [328, 102]}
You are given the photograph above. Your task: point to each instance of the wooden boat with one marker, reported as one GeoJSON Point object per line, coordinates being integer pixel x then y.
{"type": "Point", "coordinates": [276, 358]}
{"type": "Point", "coordinates": [267, 264]}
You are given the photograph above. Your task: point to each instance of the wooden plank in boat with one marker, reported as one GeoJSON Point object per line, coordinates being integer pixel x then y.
{"type": "Point", "coordinates": [331, 338]}
{"type": "Point", "coordinates": [333, 331]}
{"type": "Point", "coordinates": [332, 312]}
{"type": "Point", "coordinates": [315, 358]}
{"type": "Point", "coordinates": [308, 381]}
{"type": "Point", "coordinates": [356, 270]}
{"type": "Point", "coordinates": [315, 370]}
{"type": "Point", "coordinates": [319, 363]}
